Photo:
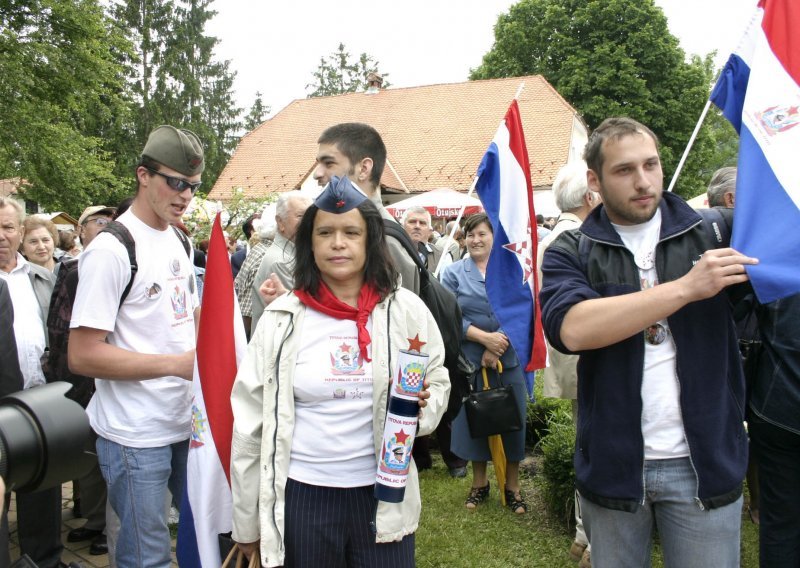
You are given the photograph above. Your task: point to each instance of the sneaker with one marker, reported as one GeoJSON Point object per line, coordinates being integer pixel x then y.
{"type": "Point", "coordinates": [586, 559]}
{"type": "Point", "coordinates": [576, 551]}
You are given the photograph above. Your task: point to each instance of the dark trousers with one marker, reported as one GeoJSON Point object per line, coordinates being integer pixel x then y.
{"type": "Point", "coordinates": [778, 454]}
{"type": "Point", "coordinates": [331, 527]}
{"type": "Point", "coordinates": [39, 526]}
{"type": "Point", "coordinates": [422, 452]}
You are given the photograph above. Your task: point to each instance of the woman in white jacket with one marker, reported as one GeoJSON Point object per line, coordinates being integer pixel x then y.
{"type": "Point", "coordinates": [311, 396]}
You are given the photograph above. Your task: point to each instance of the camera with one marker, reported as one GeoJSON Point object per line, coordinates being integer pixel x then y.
{"type": "Point", "coordinates": [43, 438]}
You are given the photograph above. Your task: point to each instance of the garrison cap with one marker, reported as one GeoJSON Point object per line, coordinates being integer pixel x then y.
{"type": "Point", "coordinates": [340, 196]}
{"type": "Point", "coordinates": [178, 149]}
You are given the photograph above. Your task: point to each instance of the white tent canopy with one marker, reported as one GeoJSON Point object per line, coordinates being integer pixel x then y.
{"type": "Point", "coordinates": [441, 202]}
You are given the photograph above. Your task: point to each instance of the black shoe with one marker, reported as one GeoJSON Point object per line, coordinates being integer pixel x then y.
{"type": "Point", "coordinates": [99, 546]}
{"type": "Point", "coordinates": [82, 533]}
{"type": "Point", "coordinates": [458, 471]}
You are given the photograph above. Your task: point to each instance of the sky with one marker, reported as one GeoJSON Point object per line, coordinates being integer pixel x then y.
{"type": "Point", "coordinates": [275, 46]}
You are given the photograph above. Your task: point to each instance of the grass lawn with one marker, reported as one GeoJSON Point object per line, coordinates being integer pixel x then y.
{"type": "Point", "coordinates": [451, 536]}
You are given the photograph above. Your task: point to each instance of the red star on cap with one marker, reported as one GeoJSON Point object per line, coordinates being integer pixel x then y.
{"type": "Point", "coordinates": [401, 436]}
{"type": "Point", "coordinates": [340, 203]}
{"type": "Point", "coordinates": [415, 344]}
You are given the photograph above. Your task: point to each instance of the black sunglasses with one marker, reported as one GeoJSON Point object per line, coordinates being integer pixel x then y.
{"type": "Point", "coordinates": [177, 184]}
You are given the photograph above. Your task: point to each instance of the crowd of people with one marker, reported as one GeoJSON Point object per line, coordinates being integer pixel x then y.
{"type": "Point", "coordinates": [646, 318]}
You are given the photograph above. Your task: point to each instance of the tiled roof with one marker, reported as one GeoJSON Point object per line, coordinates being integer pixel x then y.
{"type": "Point", "coordinates": [435, 135]}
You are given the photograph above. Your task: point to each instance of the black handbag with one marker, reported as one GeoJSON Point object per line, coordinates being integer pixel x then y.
{"type": "Point", "coordinates": [492, 411]}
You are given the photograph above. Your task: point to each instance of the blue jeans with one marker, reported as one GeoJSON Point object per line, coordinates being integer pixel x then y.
{"type": "Point", "coordinates": [690, 537]}
{"type": "Point", "coordinates": [138, 479]}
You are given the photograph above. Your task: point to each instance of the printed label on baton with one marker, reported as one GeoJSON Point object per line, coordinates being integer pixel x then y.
{"type": "Point", "coordinates": [411, 370]}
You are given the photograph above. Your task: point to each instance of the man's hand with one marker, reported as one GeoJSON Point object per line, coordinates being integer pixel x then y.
{"type": "Point", "coordinates": [270, 289]}
{"type": "Point", "coordinates": [717, 269]}
{"type": "Point", "coordinates": [185, 365]}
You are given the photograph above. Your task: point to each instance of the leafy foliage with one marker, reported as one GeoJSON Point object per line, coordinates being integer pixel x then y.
{"type": "Point", "coordinates": [558, 473]}
{"type": "Point", "coordinates": [62, 95]}
{"type": "Point", "coordinates": [338, 74]}
{"type": "Point", "coordinates": [613, 58]}
{"type": "Point", "coordinates": [257, 114]}
{"type": "Point", "coordinates": [82, 88]}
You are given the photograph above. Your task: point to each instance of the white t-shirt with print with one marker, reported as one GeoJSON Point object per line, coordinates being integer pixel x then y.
{"type": "Point", "coordinates": [157, 317]}
{"type": "Point", "coordinates": [332, 444]}
{"type": "Point", "coordinates": [662, 423]}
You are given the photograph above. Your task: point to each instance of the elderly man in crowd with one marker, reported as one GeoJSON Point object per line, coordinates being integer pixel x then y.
{"type": "Point", "coordinates": [278, 259]}
{"type": "Point", "coordinates": [417, 223]}
{"type": "Point", "coordinates": [721, 190]}
{"type": "Point", "coordinates": [575, 200]}
{"type": "Point", "coordinates": [30, 287]}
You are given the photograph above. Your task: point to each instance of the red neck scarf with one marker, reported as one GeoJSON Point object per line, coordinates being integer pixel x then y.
{"type": "Point", "coordinates": [332, 306]}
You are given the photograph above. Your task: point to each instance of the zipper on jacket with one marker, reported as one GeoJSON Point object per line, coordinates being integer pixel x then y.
{"type": "Point", "coordinates": [373, 525]}
{"type": "Point", "coordinates": [289, 331]}
{"type": "Point", "coordinates": [686, 438]}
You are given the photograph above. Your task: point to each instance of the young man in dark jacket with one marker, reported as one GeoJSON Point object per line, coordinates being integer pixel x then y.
{"type": "Point", "coordinates": [640, 297]}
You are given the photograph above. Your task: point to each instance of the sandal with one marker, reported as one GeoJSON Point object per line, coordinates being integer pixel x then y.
{"type": "Point", "coordinates": [515, 502]}
{"type": "Point", "coordinates": [477, 495]}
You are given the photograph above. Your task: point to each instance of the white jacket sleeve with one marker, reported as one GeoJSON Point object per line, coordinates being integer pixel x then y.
{"type": "Point", "coordinates": [247, 404]}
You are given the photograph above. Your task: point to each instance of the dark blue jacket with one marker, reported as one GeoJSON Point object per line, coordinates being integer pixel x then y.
{"type": "Point", "coordinates": [775, 394]}
{"type": "Point", "coordinates": [609, 456]}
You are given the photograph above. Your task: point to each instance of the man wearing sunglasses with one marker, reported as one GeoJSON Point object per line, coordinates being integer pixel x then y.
{"type": "Point", "coordinates": [142, 349]}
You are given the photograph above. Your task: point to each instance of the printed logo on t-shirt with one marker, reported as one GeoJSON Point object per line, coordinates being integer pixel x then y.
{"type": "Point", "coordinates": [152, 291]}
{"type": "Point", "coordinates": [345, 356]}
{"type": "Point", "coordinates": [178, 299]}
{"type": "Point", "coordinates": [175, 266]}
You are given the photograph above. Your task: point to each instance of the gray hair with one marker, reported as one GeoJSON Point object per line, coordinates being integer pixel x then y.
{"type": "Point", "coordinates": [282, 205]}
{"type": "Point", "coordinates": [570, 186]}
{"type": "Point", "coordinates": [416, 209]}
{"type": "Point", "coordinates": [723, 181]}
{"type": "Point", "coordinates": [10, 202]}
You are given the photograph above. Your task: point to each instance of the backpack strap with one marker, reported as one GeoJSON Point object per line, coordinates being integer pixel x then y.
{"type": "Point", "coordinates": [717, 222]}
{"type": "Point", "coordinates": [184, 241]}
{"type": "Point", "coordinates": [124, 236]}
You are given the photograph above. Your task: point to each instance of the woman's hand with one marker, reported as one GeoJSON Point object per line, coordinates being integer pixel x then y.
{"type": "Point", "coordinates": [489, 359]}
{"type": "Point", "coordinates": [250, 548]}
{"type": "Point", "coordinates": [423, 395]}
{"type": "Point", "coordinates": [496, 342]}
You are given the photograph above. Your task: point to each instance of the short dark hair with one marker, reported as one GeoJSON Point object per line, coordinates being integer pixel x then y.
{"type": "Point", "coordinates": [357, 141]}
{"type": "Point", "coordinates": [247, 226]}
{"type": "Point", "coordinates": [611, 128]}
{"type": "Point", "coordinates": [379, 270]}
{"type": "Point", "coordinates": [475, 220]}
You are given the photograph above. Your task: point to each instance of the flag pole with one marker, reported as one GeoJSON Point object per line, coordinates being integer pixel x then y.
{"type": "Point", "coordinates": [689, 145]}
{"type": "Point", "coordinates": [449, 237]}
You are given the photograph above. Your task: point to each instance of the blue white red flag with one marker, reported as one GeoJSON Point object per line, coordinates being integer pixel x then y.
{"type": "Point", "coordinates": [759, 93]}
{"type": "Point", "coordinates": [206, 509]}
{"type": "Point", "coordinates": [504, 187]}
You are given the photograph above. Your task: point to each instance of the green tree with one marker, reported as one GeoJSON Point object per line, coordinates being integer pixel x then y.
{"type": "Point", "coordinates": [176, 79]}
{"type": "Point", "coordinates": [338, 74]}
{"type": "Point", "coordinates": [62, 97]}
{"type": "Point", "coordinates": [611, 58]}
{"type": "Point", "coordinates": [257, 114]}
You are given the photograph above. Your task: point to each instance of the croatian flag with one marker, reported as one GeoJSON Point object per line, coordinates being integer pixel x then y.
{"type": "Point", "coordinates": [504, 187]}
{"type": "Point", "coordinates": [206, 508]}
{"type": "Point", "coordinates": [759, 93]}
